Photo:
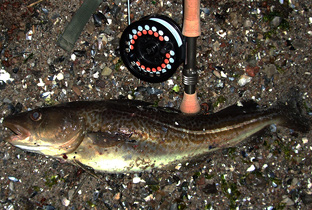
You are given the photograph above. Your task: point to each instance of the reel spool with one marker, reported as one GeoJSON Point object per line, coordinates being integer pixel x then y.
{"type": "Point", "coordinates": [152, 48]}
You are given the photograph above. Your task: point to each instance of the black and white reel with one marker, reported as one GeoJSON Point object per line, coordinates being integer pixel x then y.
{"type": "Point", "coordinates": [152, 48]}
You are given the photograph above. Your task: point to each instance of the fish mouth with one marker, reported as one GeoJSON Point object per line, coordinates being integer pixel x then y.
{"type": "Point", "coordinates": [20, 132]}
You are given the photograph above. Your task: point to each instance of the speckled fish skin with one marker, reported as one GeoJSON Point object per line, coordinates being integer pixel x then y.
{"type": "Point", "coordinates": [118, 136]}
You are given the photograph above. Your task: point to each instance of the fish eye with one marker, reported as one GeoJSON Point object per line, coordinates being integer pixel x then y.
{"type": "Point", "coordinates": [35, 116]}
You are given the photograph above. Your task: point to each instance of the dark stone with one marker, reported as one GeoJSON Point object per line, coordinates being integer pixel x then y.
{"type": "Point", "coordinates": [210, 189]}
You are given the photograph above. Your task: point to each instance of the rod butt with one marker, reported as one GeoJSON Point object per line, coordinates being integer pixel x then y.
{"type": "Point", "coordinates": [189, 104]}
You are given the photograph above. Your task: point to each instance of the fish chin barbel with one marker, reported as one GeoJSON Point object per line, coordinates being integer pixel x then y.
{"type": "Point", "coordinates": [129, 136]}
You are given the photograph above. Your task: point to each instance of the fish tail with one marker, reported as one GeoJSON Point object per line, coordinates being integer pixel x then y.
{"type": "Point", "coordinates": [292, 112]}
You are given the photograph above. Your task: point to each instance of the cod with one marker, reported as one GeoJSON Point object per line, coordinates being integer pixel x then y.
{"type": "Point", "coordinates": [117, 136]}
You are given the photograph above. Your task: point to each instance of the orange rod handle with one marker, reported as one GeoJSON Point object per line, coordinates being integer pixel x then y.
{"type": "Point", "coordinates": [189, 104]}
{"type": "Point", "coordinates": [191, 19]}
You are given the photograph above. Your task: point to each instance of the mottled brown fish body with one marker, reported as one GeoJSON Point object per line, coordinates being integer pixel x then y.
{"type": "Point", "coordinates": [129, 136]}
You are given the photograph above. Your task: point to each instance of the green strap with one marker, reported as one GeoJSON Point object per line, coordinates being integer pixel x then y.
{"type": "Point", "coordinates": [73, 30]}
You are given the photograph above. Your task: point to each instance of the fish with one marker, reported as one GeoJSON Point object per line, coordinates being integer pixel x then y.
{"type": "Point", "coordinates": [124, 136]}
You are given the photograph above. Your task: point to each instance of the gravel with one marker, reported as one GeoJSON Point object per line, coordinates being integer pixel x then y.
{"type": "Point", "coordinates": [247, 50]}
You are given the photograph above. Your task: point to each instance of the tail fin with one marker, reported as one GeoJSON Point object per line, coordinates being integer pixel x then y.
{"type": "Point", "coordinates": [291, 108]}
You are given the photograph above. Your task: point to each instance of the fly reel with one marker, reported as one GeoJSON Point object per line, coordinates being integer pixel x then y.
{"type": "Point", "coordinates": [152, 48]}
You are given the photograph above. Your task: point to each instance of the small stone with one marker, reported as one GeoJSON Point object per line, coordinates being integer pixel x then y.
{"type": "Point", "coordinates": [11, 186]}
{"type": "Point", "coordinates": [251, 71]}
{"type": "Point", "coordinates": [170, 82]}
{"type": "Point", "coordinates": [305, 140]}
{"type": "Point", "coordinates": [243, 80]}
{"type": "Point", "coordinates": [223, 74]}
{"type": "Point", "coordinates": [6, 100]}
{"type": "Point", "coordinates": [294, 181]}
{"type": "Point", "coordinates": [137, 180]}
{"type": "Point", "coordinates": [60, 76]}
{"type": "Point", "coordinates": [73, 57]}
{"type": "Point", "coordinates": [5, 76]}
{"type": "Point", "coordinates": [149, 198]}
{"type": "Point", "coordinates": [29, 35]}
{"type": "Point", "coordinates": [13, 179]}
{"type": "Point", "coordinates": [106, 71]}
{"type": "Point", "coordinates": [96, 75]}
{"type": "Point", "coordinates": [170, 188]}
{"type": "Point", "coordinates": [117, 196]}
{"type": "Point", "coordinates": [247, 23]}
{"type": "Point", "coordinates": [178, 166]}
{"type": "Point", "coordinates": [76, 90]}
{"type": "Point", "coordinates": [71, 193]}
{"type": "Point", "coordinates": [216, 73]}
{"type": "Point", "coordinates": [270, 70]}
{"type": "Point", "coordinates": [41, 83]}
{"type": "Point", "coordinates": [216, 46]}
{"type": "Point", "coordinates": [100, 83]}
{"type": "Point", "coordinates": [287, 201]}
{"type": "Point", "coordinates": [251, 168]}
{"type": "Point", "coordinates": [65, 202]}
{"type": "Point", "coordinates": [276, 21]}
{"type": "Point", "coordinates": [116, 60]}
{"type": "Point", "coordinates": [210, 189]}
{"type": "Point", "coordinates": [79, 53]}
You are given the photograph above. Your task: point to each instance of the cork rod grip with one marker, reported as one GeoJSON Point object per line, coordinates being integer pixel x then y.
{"type": "Point", "coordinates": [191, 20]}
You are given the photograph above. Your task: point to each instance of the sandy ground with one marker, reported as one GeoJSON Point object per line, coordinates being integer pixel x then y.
{"type": "Point", "coordinates": [264, 44]}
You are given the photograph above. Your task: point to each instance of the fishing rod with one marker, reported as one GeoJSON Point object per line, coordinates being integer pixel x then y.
{"type": "Point", "coordinates": [191, 30]}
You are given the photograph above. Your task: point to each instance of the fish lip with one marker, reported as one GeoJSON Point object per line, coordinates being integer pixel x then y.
{"type": "Point", "coordinates": [19, 131]}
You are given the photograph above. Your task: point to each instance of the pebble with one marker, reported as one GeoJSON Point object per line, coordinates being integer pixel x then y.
{"type": "Point", "coordinates": [247, 23]}
{"type": "Point", "coordinates": [251, 168]}
{"type": "Point", "coordinates": [243, 80]}
{"type": "Point", "coordinates": [270, 70]}
{"type": "Point", "coordinates": [177, 167]}
{"type": "Point", "coordinates": [46, 94]}
{"type": "Point", "coordinates": [251, 71]}
{"type": "Point", "coordinates": [96, 75]}
{"type": "Point", "coordinates": [170, 82]}
{"type": "Point", "coordinates": [216, 46]}
{"type": "Point", "coordinates": [65, 202]}
{"type": "Point", "coordinates": [223, 74]}
{"type": "Point", "coordinates": [29, 35]}
{"type": "Point", "coordinates": [41, 83]}
{"type": "Point", "coordinates": [100, 83]}
{"type": "Point", "coordinates": [305, 140]}
{"type": "Point", "coordinates": [60, 76]}
{"type": "Point", "coordinates": [287, 201]}
{"type": "Point", "coordinates": [73, 57]}
{"type": "Point", "coordinates": [13, 179]}
{"type": "Point", "coordinates": [106, 71]}
{"type": "Point", "coordinates": [149, 198]}
{"type": "Point", "coordinates": [216, 73]}
{"type": "Point", "coordinates": [71, 193]}
{"type": "Point", "coordinates": [276, 21]}
{"type": "Point", "coordinates": [76, 90]}
{"type": "Point", "coordinates": [6, 100]}
{"type": "Point", "coordinates": [137, 180]}
{"type": "Point", "coordinates": [5, 76]}
{"type": "Point", "coordinates": [117, 196]}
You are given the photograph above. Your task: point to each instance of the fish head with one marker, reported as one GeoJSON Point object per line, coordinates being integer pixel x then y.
{"type": "Point", "coordinates": [50, 131]}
